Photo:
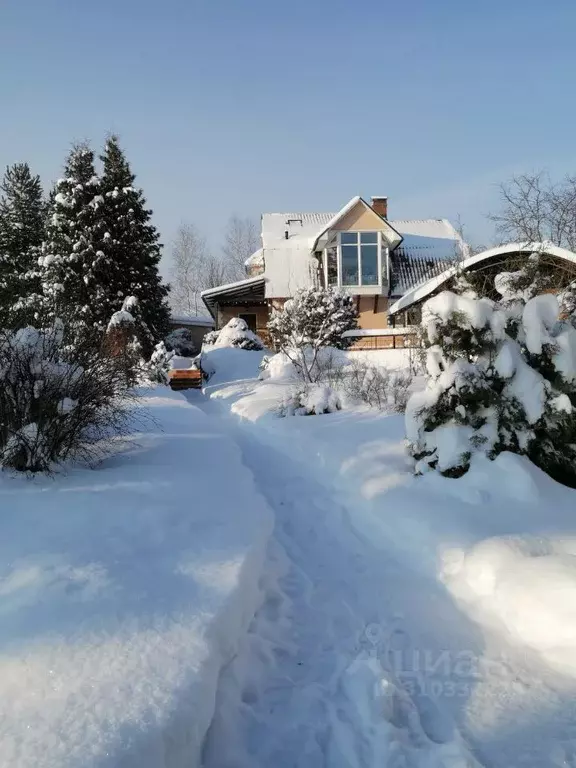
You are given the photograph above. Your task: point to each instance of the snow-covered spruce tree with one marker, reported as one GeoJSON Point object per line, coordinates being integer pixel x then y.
{"type": "Point", "coordinates": [130, 246]}
{"type": "Point", "coordinates": [500, 377]}
{"type": "Point", "coordinates": [74, 274]}
{"type": "Point", "coordinates": [22, 232]}
{"type": "Point", "coordinates": [313, 320]}
{"type": "Point", "coordinates": [542, 351]}
{"type": "Point", "coordinates": [457, 413]}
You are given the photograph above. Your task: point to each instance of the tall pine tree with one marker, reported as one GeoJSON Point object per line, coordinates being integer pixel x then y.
{"type": "Point", "coordinates": [22, 231]}
{"type": "Point", "coordinates": [131, 247]}
{"type": "Point", "coordinates": [74, 275]}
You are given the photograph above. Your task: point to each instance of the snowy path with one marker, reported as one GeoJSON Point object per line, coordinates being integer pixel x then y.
{"type": "Point", "coordinates": [358, 660]}
{"type": "Point", "coordinates": [308, 687]}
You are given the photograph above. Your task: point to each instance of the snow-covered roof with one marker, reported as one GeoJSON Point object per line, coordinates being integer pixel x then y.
{"type": "Point", "coordinates": [305, 226]}
{"type": "Point", "coordinates": [421, 291]}
{"type": "Point", "coordinates": [202, 320]}
{"type": "Point", "coordinates": [231, 286]}
{"type": "Point", "coordinates": [432, 234]}
{"type": "Point", "coordinates": [256, 259]}
{"type": "Point", "coordinates": [251, 289]}
{"type": "Point", "coordinates": [435, 228]}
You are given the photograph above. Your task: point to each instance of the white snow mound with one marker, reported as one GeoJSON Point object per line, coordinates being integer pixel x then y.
{"type": "Point", "coordinates": [525, 585]}
{"type": "Point", "coordinates": [124, 592]}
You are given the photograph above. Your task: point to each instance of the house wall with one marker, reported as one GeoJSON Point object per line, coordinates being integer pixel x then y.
{"type": "Point", "coordinates": [361, 219]}
{"type": "Point", "coordinates": [289, 268]}
{"type": "Point", "coordinates": [368, 318]}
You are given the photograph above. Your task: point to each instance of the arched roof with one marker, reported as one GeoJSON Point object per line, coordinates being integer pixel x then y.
{"type": "Point", "coordinates": [420, 292]}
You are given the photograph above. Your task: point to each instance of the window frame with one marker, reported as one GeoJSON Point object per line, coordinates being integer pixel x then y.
{"type": "Point", "coordinates": [338, 244]}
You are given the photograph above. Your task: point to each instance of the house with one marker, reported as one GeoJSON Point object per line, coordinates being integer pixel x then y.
{"type": "Point", "coordinates": [358, 250]}
{"type": "Point", "coordinates": [197, 325]}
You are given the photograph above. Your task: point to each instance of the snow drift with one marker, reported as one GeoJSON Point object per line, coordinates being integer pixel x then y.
{"type": "Point", "coordinates": [124, 593]}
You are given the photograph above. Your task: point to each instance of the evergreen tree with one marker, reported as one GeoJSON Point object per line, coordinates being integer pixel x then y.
{"type": "Point", "coordinates": [130, 244]}
{"type": "Point", "coordinates": [74, 270]}
{"type": "Point", "coordinates": [501, 376]}
{"type": "Point", "coordinates": [22, 231]}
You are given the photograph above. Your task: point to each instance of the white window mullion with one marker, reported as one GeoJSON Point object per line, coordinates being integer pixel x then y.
{"type": "Point", "coordinates": [380, 260]}
{"type": "Point", "coordinates": [359, 254]}
{"type": "Point", "coordinates": [339, 261]}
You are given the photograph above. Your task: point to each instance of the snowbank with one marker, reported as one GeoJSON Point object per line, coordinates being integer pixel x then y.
{"type": "Point", "coordinates": [124, 593]}
{"type": "Point", "coordinates": [231, 364]}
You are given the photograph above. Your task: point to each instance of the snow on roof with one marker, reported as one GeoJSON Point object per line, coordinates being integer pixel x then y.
{"type": "Point", "coordinates": [314, 224]}
{"type": "Point", "coordinates": [337, 216]}
{"type": "Point", "coordinates": [230, 286]}
{"type": "Point", "coordinates": [440, 228]}
{"type": "Point", "coordinates": [191, 319]}
{"type": "Point", "coordinates": [301, 225]}
{"type": "Point", "coordinates": [256, 260]}
{"type": "Point", "coordinates": [421, 291]}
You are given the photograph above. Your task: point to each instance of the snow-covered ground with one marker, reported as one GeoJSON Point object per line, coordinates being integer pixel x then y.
{"type": "Point", "coordinates": [123, 593]}
{"type": "Point", "coordinates": [407, 621]}
{"type": "Point", "coordinates": [237, 590]}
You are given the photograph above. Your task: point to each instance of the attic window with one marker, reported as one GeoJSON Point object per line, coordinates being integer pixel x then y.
{"type": "Point", "coordinates": [359, 254]}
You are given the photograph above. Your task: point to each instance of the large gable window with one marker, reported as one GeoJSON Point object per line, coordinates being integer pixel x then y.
{"type": "Point", "coordinates": [358, 259]}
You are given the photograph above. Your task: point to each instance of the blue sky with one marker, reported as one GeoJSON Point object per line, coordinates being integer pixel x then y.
{"type": "Point", "coordinates": [244, 106]}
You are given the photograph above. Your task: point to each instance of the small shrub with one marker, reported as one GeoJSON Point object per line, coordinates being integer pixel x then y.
{"type": "Point", "coordinates": [210, 338]}
{"type": "Point", "coordinates": [237, 334]}
{"type": "Point", "coordinates": [376, 386]}
{"type": "Point", "coordinates": [53, 408]}
{"type": "Point", "coordinates": [311, 400]}
{"type": "Point", "coordinates": [159, 364]}
{"type": "Point", "coordinates": [180, 342]}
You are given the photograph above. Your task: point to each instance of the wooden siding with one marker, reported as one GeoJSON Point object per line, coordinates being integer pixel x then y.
{"type": "Point", "coordinates": [361, 219]}
{"type": "Point", "coordinates": [372, 312]}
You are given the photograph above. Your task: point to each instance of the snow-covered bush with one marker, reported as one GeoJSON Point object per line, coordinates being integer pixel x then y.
{"type": "Point", "coordinates": [378, 387]}
{"type": "Point", "coordinates": [210, 338]}
{"type": "Point", "coordinates": [159, 364]}
{"type": "Point", "coordinates": [237, 334]}
{"type": "Point", "coordinates": [55, 409]}
{"type": "Point", "coordinates": [315, 318]}
{"type": "Point", "coordinates": [311, 400]}
{"type": "Point", "coordinates": [181, 342]}
{"type": "Point", "coordinates": [501, 376]}
{"type": "Point", "coordinates": [277, 367]}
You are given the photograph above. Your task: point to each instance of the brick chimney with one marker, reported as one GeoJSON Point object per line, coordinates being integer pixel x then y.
{"type": "Point", "coordinates": [380, 205]}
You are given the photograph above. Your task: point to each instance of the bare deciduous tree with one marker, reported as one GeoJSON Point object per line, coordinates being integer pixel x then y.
{"type": "Point", "coordinates": [194, 270]}
{"type": "Point", "coordinates": [241, 239]}
{"type": "Point", "coordinates": [535, 209]}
